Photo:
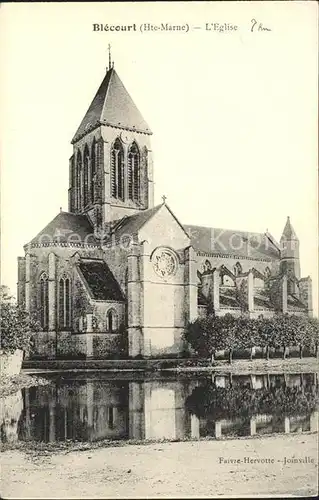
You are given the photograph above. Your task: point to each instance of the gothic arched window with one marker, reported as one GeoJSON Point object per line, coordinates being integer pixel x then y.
{"type": "Point", "coordinates": [64, 302]}
{"type": "Point", "coordinates": [44, 301]}
{"type": "Point", "coordinates": [78, 180]}
{"type": "Point", "coordinates": [93, 170]}
{"type": "Point", "coordinates": [133, 172]}
{"type": "Point", "coordinates": [86, 186]}
{"type": "Point", "coordinates": [237, 269]}
{"type": "Point", "coordinates": [207, 266]}
{"type": "Point", "coordinates": [111, 321]}
{"type": "Point", "coordinates": [117, 170]}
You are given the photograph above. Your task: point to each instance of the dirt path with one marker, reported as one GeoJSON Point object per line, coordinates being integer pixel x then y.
{"type": "Point", "coordinates": [167, 469]}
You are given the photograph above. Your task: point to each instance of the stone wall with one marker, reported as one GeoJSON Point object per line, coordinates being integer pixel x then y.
{"type": "Point", "coordinates": [164, 307]}
{"type": "Point", "coordinates": [115, 255]}
{"type": "Point", "coordinates": [44, 345]}
{"type": "Point", "coordinates": [100, 310]}
{"type": "Point", "coordinates": [49, 345]}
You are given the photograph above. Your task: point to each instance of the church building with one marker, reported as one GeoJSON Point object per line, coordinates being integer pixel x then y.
{"type": "Point", "coordinates": [116, 275]}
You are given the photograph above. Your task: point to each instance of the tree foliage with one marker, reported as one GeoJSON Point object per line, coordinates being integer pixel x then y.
{"type": "Point", "coordinates": [206, 335]}
{"type": "Point", "coordinates": [17, 325]}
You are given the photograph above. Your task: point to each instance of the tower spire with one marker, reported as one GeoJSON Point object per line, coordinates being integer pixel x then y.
{"type": "Point", "coordinates": [110, 62]}
{"type": "Point", "coordinates": [289, 232]}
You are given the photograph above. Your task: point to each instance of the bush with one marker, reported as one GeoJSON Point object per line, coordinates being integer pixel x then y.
{"type": "Point", "coordinates": [17, 325]}
{"type": "Point", "coordinates": [206, 335]}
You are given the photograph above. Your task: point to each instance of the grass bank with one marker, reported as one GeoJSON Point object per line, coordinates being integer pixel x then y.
{"type": "Point", "coordinates": [189, 365]}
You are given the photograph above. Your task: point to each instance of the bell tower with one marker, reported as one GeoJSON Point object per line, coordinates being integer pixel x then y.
{"type": "Point", "coordinates": [111, 169]}
{"type": "Point", "coordinates": [289, 243]}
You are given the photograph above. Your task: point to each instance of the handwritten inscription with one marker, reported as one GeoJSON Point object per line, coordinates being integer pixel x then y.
{"type": "Point", "coordinates": [257, 26]}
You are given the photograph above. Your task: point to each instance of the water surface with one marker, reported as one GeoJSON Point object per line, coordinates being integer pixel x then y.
{"type": "Point", "coordinates": [96, 406]}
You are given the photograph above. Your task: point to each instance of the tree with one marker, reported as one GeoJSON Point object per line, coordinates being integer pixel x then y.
{"type": "Point", "coordinates": [205, 335]}
{"type": "Point", "coordinates": [17, 325]}
{"type": "Point", "coordinates": [209, 334]}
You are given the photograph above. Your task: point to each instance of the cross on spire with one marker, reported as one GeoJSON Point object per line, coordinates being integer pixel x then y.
{"type": "Point", "coordinates": [109, 49]}
{"type": "Point", "coordinates": [164, 198]}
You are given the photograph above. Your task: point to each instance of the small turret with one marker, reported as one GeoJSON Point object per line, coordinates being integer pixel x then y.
{"type": "Point", "coordinates": [289, 245]}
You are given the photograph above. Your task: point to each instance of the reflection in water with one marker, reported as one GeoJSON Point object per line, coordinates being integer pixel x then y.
{"type": "Point", "coordinates": [10, 411]}
{"type": "Point", "coordinates": [91, 409]}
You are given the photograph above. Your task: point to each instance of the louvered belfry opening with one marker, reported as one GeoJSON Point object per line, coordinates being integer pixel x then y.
{"type": "Point", "coordinates": [78, 181]}
{"type": "Point", "coordinates": [111, 170]}
{"type": "Point", "coordinates": [86, 176]}
{"type": "Point", "coordinates": [117, 170]}
{"type": "Point", "coordinates": [93, 170]}
{"type": "Point", "coordinates": [133, 172]}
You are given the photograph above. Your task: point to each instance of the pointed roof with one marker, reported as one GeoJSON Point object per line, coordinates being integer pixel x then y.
{"type": "Point", "coordinates": [130, 225]}
{"type": "Point", "coordinates": [289, 233]}
{"type": "Point", "coordinates": [66, 228]}
{"type": "Point", "coordinates": [112, 105]}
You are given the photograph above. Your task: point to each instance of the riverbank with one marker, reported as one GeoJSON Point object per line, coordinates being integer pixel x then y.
{"type": "Point", "coordinates": [240, 467]}
{"type": "Point", "coordinates": [291, 365]}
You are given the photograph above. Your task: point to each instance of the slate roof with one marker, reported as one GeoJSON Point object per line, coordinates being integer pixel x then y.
{"type": "Point", "coordinates": [231, 242]}
{"type": "Point", "coordinates": [293, 302]}
{"type": "Point", "coordinates": [100, 280]}
{"type": "Point", "coordinates": [262, 300]}
{"type": "Point", "coordinates": [67, 227]}
{"type": "Point", "coordinates": [130, 225]}
{"type": "Point", "coordinates": [227, 297]}
{"type": "Point", "coordinates": [112, 105]}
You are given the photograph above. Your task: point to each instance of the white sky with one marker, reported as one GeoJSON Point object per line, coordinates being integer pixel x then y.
{"type": "Point", "coordinates": [234, 114]}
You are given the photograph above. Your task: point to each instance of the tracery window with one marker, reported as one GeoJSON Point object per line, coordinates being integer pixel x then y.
{"type": "Point", "coordinates": [117, 170]}
{"type": "Point", "coordinates": [133, 172]}
{"type": "Point", "coordinates": [64, 302]}
{"type": "Point", "coordinates": [44, 301]}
